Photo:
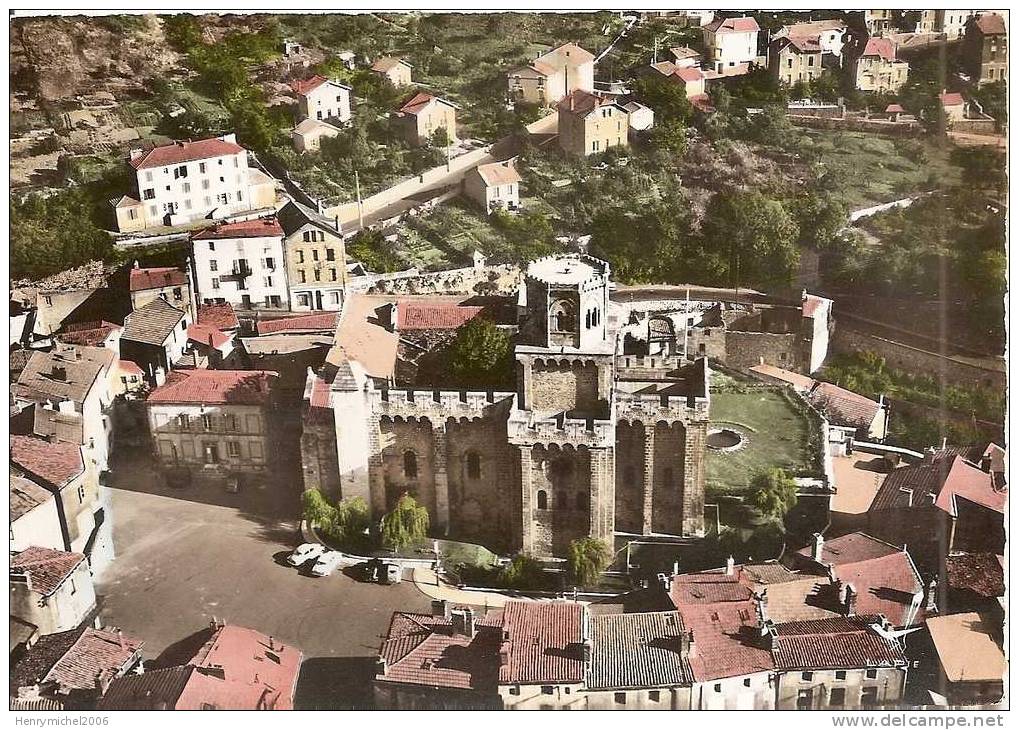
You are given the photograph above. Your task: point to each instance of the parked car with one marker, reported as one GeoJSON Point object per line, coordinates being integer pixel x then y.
{"type": "Point", "coordinates": [304, 553]}
{"type": "Point", "coordinates": [327, 563]}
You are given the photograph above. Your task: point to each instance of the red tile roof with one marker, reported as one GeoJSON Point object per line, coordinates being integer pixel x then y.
{"type": "Point", "coordinates": [689, 73]}
{"type": "Point", "coordinates": [207, 335]}
{"type": "Point", "coordinates": [498, 173]}
{"type": "Point", "coordinates": [411, 316]}
{"type": "Point", "coordinates": [811, 304]}
{"type": "Point", "coordinates": [223, 387]}
{"type": "Point", "coordinates": [582, 102]}
{"type": "Point", "coordinates": [157, 278]}
{"type": "Point", "coordinates": [91, 334]}
{"type": "Point", "coordinates": [951, 99]}
{"type": "Point", "coordinates": [101, 653]}
{"type": "Point", "coordinates": [544, 644]}
{"type": "Point", "coordinates": [258, 228]}
{"type": "Point", "coordinates": [129, 367]}
{"type": "Point", "coordinates": [843, 407]}
{"type": "Point", "coordinates": [419, 101]}
{"type": "Point", "coordinates": [427, 650]}
{"type": "Point", "coordinates": [25, 496]}
{"type": "Point", "coordinates": [260, 672]}
{"type": "Point", "coordinates": [882, 47]}
{"type": "Point", "coordinates": [220, 316]}
{"type": "Point", "coordinates": [324, 322]}
{"type": "Point", "coordinates": [979, 573]}
{"type": "Point", "coordinates": [895, 109]}
{"type": "Point", "coordinates": [178, 152]}
{"type": "Point", "coordinates": [852, 548]}
{"type": "Point", "coordinates": [638, 650]}
{"type": "Point", "coordinates": [387, 63]}
{"type": "Point", "coordinates": [46, 568]}
{"type": "Point", "coordinates": [991, 24]}
{"type": "Point", "coordinates": [722, 614]}
{"type": "Point", "coordinates": [940, 483]}
{"type": "Point", "coordinates": [733, 25]}
{"type": "Point", "coordinates": [54, 462]}
{"type": "Point", "coordinates": [834, 643]}
{"type": "Point", "coordinates": [303, 86]}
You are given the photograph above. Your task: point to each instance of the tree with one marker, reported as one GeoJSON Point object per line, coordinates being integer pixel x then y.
{"type": "Point", "coordinates": [353, 518]}
{"type": "Point", "coordinates": [440, 138]}
{"type": "Point", "coordinates": [670, 136]}
{"type": "Point", "coordinates": [523, 573]}
{"type": "Point", "coordinates": [406, 525]}
{"type": "Point", "coordinates": [480, 354]}
{"type": "Point", "coordinates": [820, 218]}
{"type": "Point", "coordinates": [588, 558]}
{"type": "Point", "coordinates": [774, 493]}
{"type": "Point", "coordinates": [756, 234]}
{"type": "Point", "coordinates": [370, 247]}
{"type": "Point", "coordinates": [57, 232]}
{"type": "Point", "coordinates": [666, 96]}
{"type": "Point", "coordinates": [317, 509]}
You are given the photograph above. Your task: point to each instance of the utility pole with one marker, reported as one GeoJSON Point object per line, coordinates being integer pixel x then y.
{"type": "Point", "coordinates": [360, 208]}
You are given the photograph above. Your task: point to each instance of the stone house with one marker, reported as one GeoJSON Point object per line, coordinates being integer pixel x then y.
{"type": "Point", "coordinates": [693, 80]}
{"type": "Point", "coordinates": [495, 185]}
{"type": "Point", "coordinates": [165, 282]}
{"type": "Point", "coordinates": [590, 124]}
{"type": "Point", "coordinates": [316, 258]}
{"type": "Point", "coordinates": [985, 48]}
{"type": "Point", "coordinates": [583, 449]}
{"type": "Point", "coordinates": [553, 76]}
{"type": "Point", "coordinates": [877, 68]}
{"type": "Point", "coordinates": [215, 422]}
{"type": "Point", "coordinates": [307, 136]}
{"type": "Point", "coordinates": [51, 589]}
{"type": "Point", "coordinates": [954, 107]}
{"type": "Point", "coordinates": [83, 516]}
{"type": "Point", "coordinates": [730, 42]}
{"type": "Point", "coordinates": [242, 264]}
{"type": "Point", "coordinates": [396, 70]}
{"type": "Point", "coordinates": [155, 337]}
{"type": "Point", "coordinates": [74, 380]}
{"type": "Point", "coordinates": [321, 99]}
{"type": "Point", "coordinates": [185, 181]}
{"type": "Point", "coordinates": [423, 115]}
{"type": "Point", "coordinates": [829, 35]}
{"type": "Point", "coordinates": [795, 58]}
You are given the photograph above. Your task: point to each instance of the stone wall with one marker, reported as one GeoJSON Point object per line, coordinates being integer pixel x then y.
{"type": "Point", "coordinates": [956, 370]}
{"type": "Point", "coordinates": [561, 485]}
{"type": "Point", "coordinates": [880, 126]}
{"type": "Point", "coordinates": [668, 477]}
{"type": "Point", "coordinates": [399, 438]}
{"type": "Point", "coordinates": [629, 477]}
{"type": "Point", "coordinates": [556, 387]}
{"type": "Point", "coordinates": [746, 349]}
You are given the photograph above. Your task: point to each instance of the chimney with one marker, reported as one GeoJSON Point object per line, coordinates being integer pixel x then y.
{"type": "Point", "coordinates": [730, 565]}
{"type": "Point", "coordinates": [136, 264]}
{"type": "Point", "coordinates": [691, 645]}
{"type": "Point", "coordinates": [849, 603]}
{"type": "Point", "coordinates": [99, 682]}
{"type": "Point", "coordinates": [463, 622]}
{"type": "Point", "coordinates": [59, 372]}
{"type": "Point", "coordinates": [985, 463]}
{"type": "Point", "coordinates": [586, 651]}
{"type": "Point", "coordinates": [932, 595]}
{"type": "Point", "coordinates": [120, 639]}
{"type": "Point", "coordinates": [665, 582]}
{"type": "Point", "coordinates": [818, 548]}
{"type": "Point", "coordinates": [504, 654]}
{"type": "Point", "coordinates": [380, 665]}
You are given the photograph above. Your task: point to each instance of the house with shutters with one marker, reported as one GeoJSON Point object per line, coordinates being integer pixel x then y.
{"type": "Point", "coordinates": [189, 180]}
{"type": "Point", "coordinates": [163, 282]}
{"type": "Point", "coordinates": [155, 338]}
{"type": "Point", "coordinates": [51, 589]}
{"type": "Point", "coordinates": [242, 264]}
{"type": "Point", "coordinates": [730, 44]}
{"type": "Point", "coordinates": [552, 76]}
{"type": "Point", "coordinates": [877, 68]}
{"type": "Point", "coordinates": [322, 99]}
{"type": "Point", "coordinates": [495, 185]}
{"type": "Point", "coordinates": [590, 124]}
{"type": "Point", "coordinates": [213, 422]}
{"type": "Point", "coordinates": [422, 116]}
{"type": "Point", "coordinates": [985, 48]}
{"type": "Point", "coordinates": [316, 258]}
{"type": "Point", "coordinates": [395, 70]}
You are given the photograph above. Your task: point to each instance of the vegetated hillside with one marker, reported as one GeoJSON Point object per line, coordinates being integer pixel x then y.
{"type": "Point", "coordinates": [56, 58]}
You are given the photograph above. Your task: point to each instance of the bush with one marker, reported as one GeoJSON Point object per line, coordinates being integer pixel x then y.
{"type": "Point", "coordinates": [406, 525]}
{"type": "Point", "coordinates": [523, 573]}
{"type": "Point", "coordinates": [588, 558]}
{"type": "Point", "coordinates": [481, 355]}
{"type": "Point", "coordinates": [774, 493]}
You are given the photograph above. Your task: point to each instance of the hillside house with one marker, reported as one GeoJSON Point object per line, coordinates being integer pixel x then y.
{"type": "Point", "coordinates": [730, 42]}
{"type": "Point", "coordinates": [829, 35]}
{"type": "Point", "coordinates": [164, 282]}
{"type": "Point", "coordinates": [316, 258]}
{"type": "Point", "coordinates": [396, 70]}
{"type": "Point", "coordinates": [795, 59]}
{"type": "Point", "coordinates": [307, 136]}
{"type": "Point", "coordinates": [421, 116]}
{"type": "Point", "coordinates": [877, 68]}
{"type": "Point", "coordinates": [322, 99]}
{"type": "Point", "coordinates": [552, 76]}
{"type": "Point", "coordinates": [590, 124]}
{"type": "Point", "coordinates": [985, 48]}
{"type": "Point", "coordinates": [495, 185]}
{"type": "Point", "coordinates": [241, 264]}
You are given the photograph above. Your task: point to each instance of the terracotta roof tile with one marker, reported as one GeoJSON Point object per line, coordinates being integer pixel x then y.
{"type": "Point", "coordinates": [733, 25]}
{"type": "Point", "coordinates": [991, 24]}
{"type": "Point", "coordinates": [47, 568]}
{"type": "Point", "coordinates": [324, 322]}
{"type": "Point", "coordinates": [303, 86]}
{"type": "Point", "coordinates": [157, 278]}
{"type": "Point", "coordinates": [91, 334]}
{"type": "Point", "coordinates": [951, 99]}
{"type": "Point", "coordinates": [97, 652]}
{"type": "Point", "coordinates": [979, 573]}
{"type": "Point", "coordinates": [498, 173]}
{"type": "Point", "coordinates": [223, 387]}
{"type": "Point", "coordinates": [220, 316]}
{"type": "Point", "coordinates": [388, 63]}
{"type": "Point", "coordinates": [207, 335]}
{"type": "Point", "coordinates": [690, 73]}
{"type": "Point", "coordinates": [843, 407]}
{"type": "Point", "coordinates": [940, 483]}
{"type": "Point", "coordinates": [417, 103]}
{"type": "Point", "coordinates": [881, 47]}
{"type": "Point", "coordinates": [414, 316]}
{"type": "Point", "coordinates": [55, 462]}
{"type": "Point", "coordinates": [544, 644]}
{"type": "Point", "coordinates": [258, 228]}
{"type": "Point", "coordinates": [65, 427]}
{"type": "Point", "coordinates": [834, 643]}
{"type": "Point", "coordinates": [25, 496]}
{"type": "Point", "coordinates": [177, 152]}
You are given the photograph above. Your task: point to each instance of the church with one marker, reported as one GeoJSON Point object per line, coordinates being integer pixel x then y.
{"type": "Point", "coordinates": [589, 444]}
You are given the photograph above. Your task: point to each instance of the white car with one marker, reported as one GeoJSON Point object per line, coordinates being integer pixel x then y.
{"type": "Point", "coordinates": [304, 553]}
{"type": "Point", "coordinates": [327, 563]}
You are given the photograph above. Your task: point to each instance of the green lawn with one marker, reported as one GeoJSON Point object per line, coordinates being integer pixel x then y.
{"type": "Point", "coordinates": [777, 436]}
{"type": "Point", "coordinates": [868, 169]}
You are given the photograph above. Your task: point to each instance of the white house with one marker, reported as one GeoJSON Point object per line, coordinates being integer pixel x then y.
{"type": "Point", "coordinates": [495, 185]}
{"type": "Point", "coordinates": [185, 181]}
{"type": "Point", "coordinates": [241, 264]}
{"type": "Point", "coordinates": [33, 515]}
{"type": "Point", "coordinates": [729, 43]}
{"type": "Point", "coordinates": [552, 76]}
{"type": "Point", "coordinates": [307, 136]}
{"type": "Point", "coordinates": [829, 34]}
{"type": "Point", "coordinates": [321, 99]}
{"type": "Point", "coordinates": [641, 117]}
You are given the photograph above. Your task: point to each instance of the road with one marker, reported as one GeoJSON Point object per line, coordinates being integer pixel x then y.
{"type": "Point", "coordinates": [186, 557]}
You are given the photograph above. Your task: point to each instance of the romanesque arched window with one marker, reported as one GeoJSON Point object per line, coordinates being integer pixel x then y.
{"type": "Point", "coordinates": [410, 464]}
{"type": "Point", "coordinates": [542, 499]}
{"type": "Point", "coordinates": [473, 465]}
{"type": "Point", "coordinates": [582, 500]}
{"type": "Point", "coordinates": [563, 316]}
